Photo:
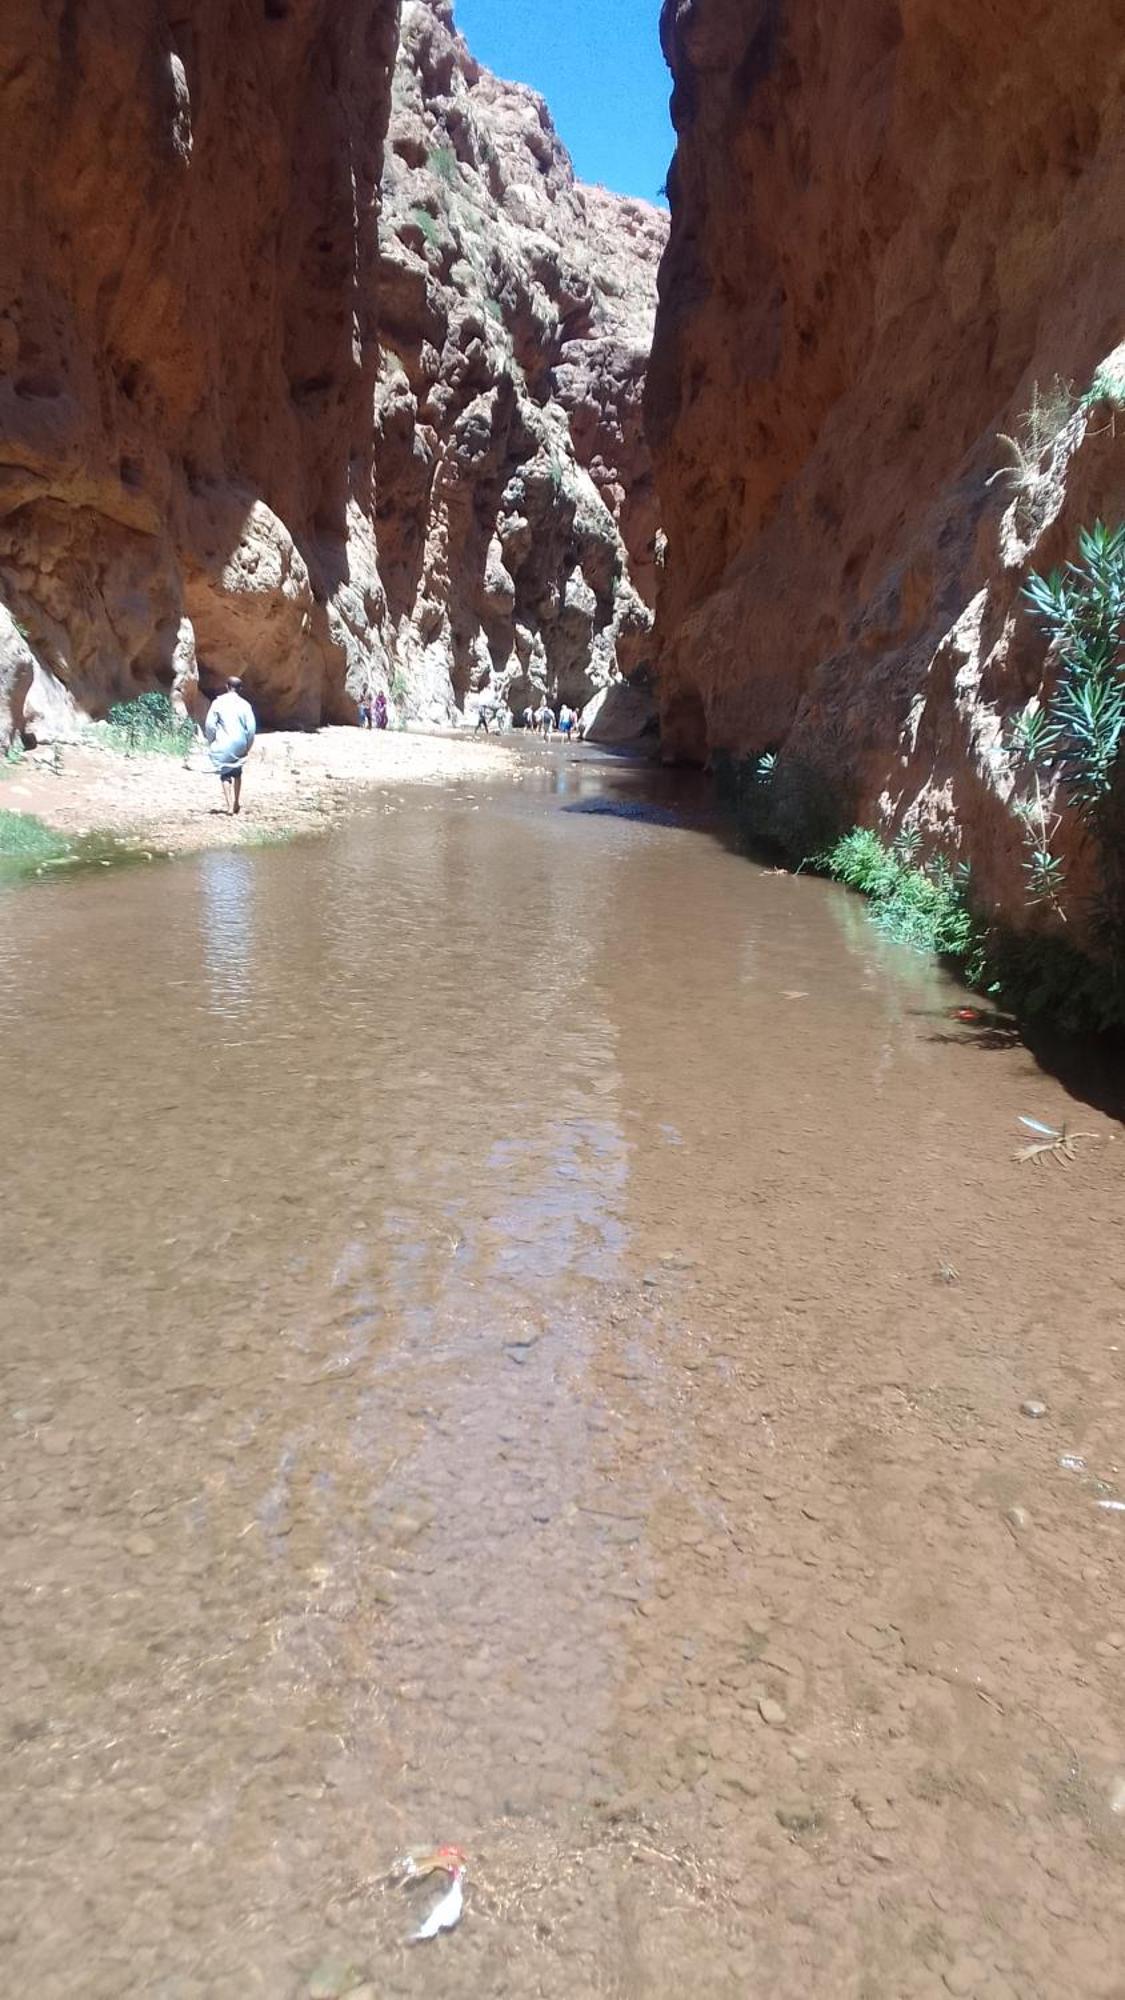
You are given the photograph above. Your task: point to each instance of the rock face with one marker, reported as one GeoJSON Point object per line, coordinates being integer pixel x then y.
{"type": "Point", "coordinates": [188, 347]}
{"type": "Point", "coordinates": [891, 221]}
{"type": "Point", "coordinates": [244, 425]}
{"type": "Point", "coordinates": [516, 514]}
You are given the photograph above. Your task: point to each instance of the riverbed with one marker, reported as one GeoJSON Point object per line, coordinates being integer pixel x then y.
{"type": "Point", "coordinates": [517, 1324]}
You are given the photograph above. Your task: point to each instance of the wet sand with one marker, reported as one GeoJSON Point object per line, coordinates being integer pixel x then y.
{"type": "Point", "coordinates": [516, 1323]}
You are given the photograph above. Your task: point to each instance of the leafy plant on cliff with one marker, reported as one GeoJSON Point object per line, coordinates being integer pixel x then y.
{"type": "Point", "coordinates": [1070, 746]}
{"type": "Point", "coordinates": [1049, 411]}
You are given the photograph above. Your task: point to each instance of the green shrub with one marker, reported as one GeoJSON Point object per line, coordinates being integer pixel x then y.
{"type": "Point", "coordinates": [148, 726]}
{"type": "Point", "coordinates": [429, 226]}
{"type": "Point", "coordinates": [442, 161]}
{"type": "Point", "coordinates": [1043, 978]}
{"type": "Point", "coordinates": [862, 862]}
{"type": "Point", "coordinates": [1071, 745]}
{"type": "Point", "coordinates": [924, 907]}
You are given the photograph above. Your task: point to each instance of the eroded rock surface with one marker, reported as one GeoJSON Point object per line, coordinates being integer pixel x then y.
{"type": "Point", "coordinates": [188, 318]}
{"type": "Point", "coordinates": [517, 519]}
{"type": "Point", "coordinates": [890, 222]}
{"type": "Point", "coordinates": [208, 460]}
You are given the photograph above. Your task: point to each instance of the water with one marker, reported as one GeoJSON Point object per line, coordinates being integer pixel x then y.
{"type": "Point", "coordinates": [493, 1297]}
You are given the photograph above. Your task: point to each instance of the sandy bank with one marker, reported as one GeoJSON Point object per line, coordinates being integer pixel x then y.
{"type": "Point", "coordinates": [295, 781]}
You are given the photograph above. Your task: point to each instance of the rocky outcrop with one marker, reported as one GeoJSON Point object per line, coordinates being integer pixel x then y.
{"type": "Point", "coordinates": [244, 425]}
{"type": "Point", "coordinates": [188, 347]}
{"type": "Point", "coordinates": [891, 221]}
{"type": "Point", "coordinates": [516, 515]}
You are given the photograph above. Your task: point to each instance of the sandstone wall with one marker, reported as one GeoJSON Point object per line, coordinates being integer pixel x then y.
{"type": "Point", "coordinates": [891, 219]}
{"type": "Point", "coordinates": [516, 506]}
{"type": "Point", "coordinates": [209, 461]}
{"type": "Point", "coordinates": [188, 321]}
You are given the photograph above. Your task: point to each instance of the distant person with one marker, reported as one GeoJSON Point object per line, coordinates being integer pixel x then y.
{"type": "Point", "coordinates": [546, 721]}
{"type": "Point", "coordinates": [230, 729]}
{"type": "Point", "coordinates": [381, 716]}
{"type": "Point", "coordinates": [365, 711]}
{"type": "Point", "coordinates": [567, 720]}
{"type": "Point", "coordinates": [486, 716]}
{"type": "Point", "coordinates": [529, 718]}
{"type": "Point", "coordinates": [579, 726]}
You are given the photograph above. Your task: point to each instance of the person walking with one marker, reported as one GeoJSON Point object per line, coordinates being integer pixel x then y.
{"type": "Point", "coordinates": [546, 721]}
{"type": "Point", "coordinates": [230, 729]}
{"type": "Point", "coordinates": [379, 714]}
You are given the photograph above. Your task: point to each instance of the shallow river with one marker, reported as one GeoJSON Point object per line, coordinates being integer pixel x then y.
{"type": "Point", "coordinates": [514, 1329]}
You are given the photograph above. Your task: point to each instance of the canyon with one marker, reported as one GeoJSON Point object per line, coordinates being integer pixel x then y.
{"type": "Point", "coordinates": [318, 363]}
{"type": "Point", "coordinates": [898, 244]}
{"type": "Point", "coordinates": [260, 411]}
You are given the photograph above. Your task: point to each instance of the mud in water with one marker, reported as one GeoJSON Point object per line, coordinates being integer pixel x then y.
{"type": "Point", "coordinates": [515, 1329]}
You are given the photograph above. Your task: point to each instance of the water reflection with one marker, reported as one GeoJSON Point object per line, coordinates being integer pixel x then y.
{"type": "Point", "coordinates": [226, 892]}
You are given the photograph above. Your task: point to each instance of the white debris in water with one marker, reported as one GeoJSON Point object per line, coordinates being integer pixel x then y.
{"type": "Point", "coordinates": [445, 1914]}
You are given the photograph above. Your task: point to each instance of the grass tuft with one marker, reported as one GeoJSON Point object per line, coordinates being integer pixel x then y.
{"type": "Point", "coordinates": [25, 841]}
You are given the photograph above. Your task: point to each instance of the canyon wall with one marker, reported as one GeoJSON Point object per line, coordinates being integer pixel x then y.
{"type": "Point", "coordinates": [516, 510]}
{"type": "Point", "coordinates": [892, 220]}
{"type": "Point", "coordinates": [188, 347]}
{"type": "Point", "coordinates": [247, 423]}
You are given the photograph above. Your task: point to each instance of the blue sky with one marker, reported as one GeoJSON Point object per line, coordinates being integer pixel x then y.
{"type": "Point", "coordinates": [598, 64]}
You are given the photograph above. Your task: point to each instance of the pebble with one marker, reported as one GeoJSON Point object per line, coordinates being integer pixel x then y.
{"type": "Point", "coordinates": [1117, 1795]}
{"type": "Point", "coordinates": [1033, 1408]}
{"type": "Point", "coordinates": [1018, 1518]}
{"type": "Point", "coordinates": [772, 1712]}
{"type": "Point", "coordinates": [140, 1545]}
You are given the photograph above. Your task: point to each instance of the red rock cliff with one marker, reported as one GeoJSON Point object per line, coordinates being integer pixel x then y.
{"type": "Point", "coordinates": [247, 422]}
{"type": "Point", "coordinates": [188, 318]}
{"type": "Point", "coordinates": [516, 504]}
{"type": "Point", "coordinates": [891, 220]}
